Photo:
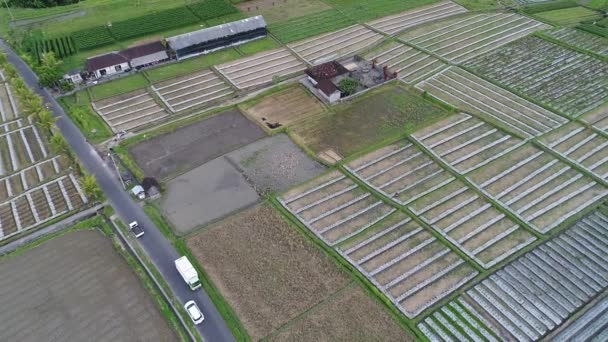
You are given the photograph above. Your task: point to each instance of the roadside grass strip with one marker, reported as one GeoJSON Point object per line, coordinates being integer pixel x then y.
{"type": "Point", "coordinates": [465, 142]}
{"type": "Point", "coordinates": [411, 64]}
{"type": "Point", "coordinates": [40, 204]}
{"type": "Point", "coordinates": [9, 108]}
{"type": "Point", "coordinates": [130, 111]}
{"type": "Point", "coordinates": [580, 145]}
{"type": "Point", "coordinates": [201, 89]}
{"type": "Point", "coordinates": [538, 291]}
{"type": "Point", "coordinates": [462, 38]}
{"type": "Point", "coordinates": [580, 39]}
{"type": "Point", "coordinates": [591, 326]}
{"type": "Point", "coordinates": [470, 93]}
{"type": "Point", "coordinates": [538, 188]}
{"type": "Point", "coordinates": [457, 320]}
{"type": "Point", "coordinates": [335, 45]}
{"type": "Point", "coordinates": [395, 23]}
{"type": "Point", "coordinates": [403, 260]}
{"type": "Point", "coordinates": [563, 79]}
{"type": "Point", "coordinates": [261, 68]}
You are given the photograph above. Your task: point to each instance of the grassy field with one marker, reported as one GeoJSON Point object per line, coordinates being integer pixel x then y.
{"type": "Point", "coordinates": [79, 109]}
{"type": "Point", "coordinates": [258, 46]}
{"type": "Point", "coordinates": [374, 117]}
{"type": "Point", "coordinates": [119, 86]}
{"type": "Point", "coordinates": [274, 11]}
{"type": "Point", "coordinates": [483, 5]}
{"type": "Point", "coordinates": [192, 65]}
{"type": "Point", "coordinates": [309, 25]}
{"type": "Point", "coordinates": [569, 16]}
{"type": "Point", "coordinates": [364, 10]}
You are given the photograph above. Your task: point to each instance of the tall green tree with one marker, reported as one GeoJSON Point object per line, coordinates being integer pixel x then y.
{"type": "Point", "coordinates": [49, 70]}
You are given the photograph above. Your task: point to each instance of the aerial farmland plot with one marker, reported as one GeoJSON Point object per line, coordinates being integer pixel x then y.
{"type": "Point", "coordinates": [411, 65]}
{"type": "Point", "coordinates": [396, 23]}
{"type": "Point", "coordinates": [474, 95]}
{"type": "Point", "coordinates": [597, 117]}
{"type": "Point", "coordinates": [405, 174]}
{"type": "Point", "coordinates": [536, 293]}
{"type": "Point", "coordinates": [201, 90]}
{"type": "Point", "coordinates": [580, 145]}
{"type": "Point", "coordinates": [335, 45]}
{"type": "Point", "coordinates": [130, 111]}
{"type": "Point", "coordinates": [8, 103]}
{"type": "Point", "coordinates": [459, 39]}
{"type": "Point", "coordinates": [537, 187]}
{"type": "Point", "coordinates": [465, 142]}
{"type": "Point", "coordinates": [21, 147]}
{"type": "Point", "coordinates": [580, 39]}
{"type": "Point", "coordinates": [261, 68]}
{"type": "Point", "coordinates": [563, 79]}
{"type": "Point", "coordinates": [402, 259]}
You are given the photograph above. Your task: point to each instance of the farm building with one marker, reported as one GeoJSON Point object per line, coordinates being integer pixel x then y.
{"type": "Point", "coordinates": [217, 37]}
{"type": "Point", "coordinates": [107, 64]}
{"type": "Point", "coordinates": [324, 77]}
{"type": "Point", "coordinates": [73, 76]}
{"type": "Point", "coordinates": [146, 54]}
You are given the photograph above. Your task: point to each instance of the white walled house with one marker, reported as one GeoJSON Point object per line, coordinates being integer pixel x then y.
{"type": "Point", "coordinates": [107, 64]}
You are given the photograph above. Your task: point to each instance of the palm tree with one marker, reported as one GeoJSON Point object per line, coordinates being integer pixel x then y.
{"type": "Point", "coordinates": [91, 188]}
{"type": "Point", "coordinates": [46, 120]}
{"type": "Point", "coordinates": [59, 145]}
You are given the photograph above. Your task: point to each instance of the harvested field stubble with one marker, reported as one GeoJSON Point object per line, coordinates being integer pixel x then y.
{"type": "Point", "coordinates": [267, 272]}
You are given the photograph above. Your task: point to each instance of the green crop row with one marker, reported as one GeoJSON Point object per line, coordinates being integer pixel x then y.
{"type": "Point", "coordinates": [548, 6]}
{"type": "Point", "coordinates": [209, 9]}
{"type": "Point", "coordinates": [92, 37]}
{"type": "Point", "coordinates": [61, 47]}
{"type": "Point", "coordinates": [309, 25]}
{"type": "Point", "coordinates": [595, 29]}
{"type": "Point", "coordinates": [151, 23]}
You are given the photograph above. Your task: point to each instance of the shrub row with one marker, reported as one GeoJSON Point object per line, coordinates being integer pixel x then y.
{"type": "Point", "coordinates": [595, 29]}
{"type": "Point", "coordinates": [62, 47]}
{"type": "Point", "coordinates": [160, 21]}
{"type": "Point", "coordinates": [209, 9]}
{"type": "Point", "coordinates": [549, 6]}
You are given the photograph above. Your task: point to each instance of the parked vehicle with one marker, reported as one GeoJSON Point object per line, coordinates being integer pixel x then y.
{"type": "Point", "coordinates": [136, 229]}
{"type": "Point", "coordinates": [188, 273]}
{"type": "Point", "coordinates": [194, 312]}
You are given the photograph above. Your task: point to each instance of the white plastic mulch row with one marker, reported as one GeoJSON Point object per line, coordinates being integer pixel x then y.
{"type": "Point", "coordinates": [401, 21]}
{"type": "Point", "coordinates": [130, 113]}
{"type": "Point", "coordinates": [335, 45]}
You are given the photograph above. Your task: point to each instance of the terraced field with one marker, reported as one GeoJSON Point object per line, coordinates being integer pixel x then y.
{"type": "Point", "coordinates": [335, 45]}
{"type": "Point", "coordinates": [401, 258]}
{"type": "Point", "coordinates": [8, 103]}
{"type": "Point", "coordinates": [396, 23]}
{"type": "Point", "coordinates": [20, 146]}
{"type": "Point", "coordinates": [465, 142]}
{"type": "Point", "coordinates": [537, 187]}
{"type": "Point", "coordinates": [537, 292]}
{"type": "Point", "coordinates": [130, 111]}
{"type": "Point", "coordinates": [411, 65]}
{"type": "Point", "coordinates": [200, 90]}
{"type": "Point", "coordinates": [260, 69]}
{"type": "Point", "coordinates": [563, 79]}
{"type": "Point", "coordinates": [468, 92]}
{"type": "Point", "coordinates": [462, 38]}
{"type": "Point", "coordinates": [580, 39]}
{"type": "Point", "coordinates": [40, 204]}
{"type": "Point", "coordinates": [581, 146]}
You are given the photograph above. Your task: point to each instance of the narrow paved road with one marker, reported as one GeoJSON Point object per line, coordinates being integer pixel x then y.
{"type": "Point", "coordinates": [159, 250]}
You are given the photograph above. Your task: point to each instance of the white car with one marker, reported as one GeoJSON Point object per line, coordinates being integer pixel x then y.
{"type": "Point", "coordinates": [195, 313]}
{"type": "Point", "coordinates": [136, 229]}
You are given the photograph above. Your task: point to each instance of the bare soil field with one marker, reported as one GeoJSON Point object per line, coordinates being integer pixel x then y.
{"type": "Point", "coordinates": [195, 144]}
{"type": "Point", "coordinates": [76, 288]}
{"type": "Point", "coordinates": [266, 270]}
{"type": "Point", "coordinates": [284, 108]}
{"type": "Point", "coordinates": [206, 193]}
{"type": "Point", "coordinates": [389, 111]}
{"type": "Point", "coordinates": [349, 316]}
{"type": "Point", "coordinates": [274, 164]}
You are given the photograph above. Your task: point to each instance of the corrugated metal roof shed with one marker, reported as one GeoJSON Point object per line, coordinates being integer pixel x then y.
{"type": "Point", "coordinates": [196, 37]}
{"type": "Point", "coordinates": [151, 58]}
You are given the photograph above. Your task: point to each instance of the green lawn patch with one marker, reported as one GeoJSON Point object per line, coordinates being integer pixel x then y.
{"type": "Point", "coordinates": [283, 10]}
{"type": "Point", "coordinates": [309, 25]}
{"type": "Point", "coordinates": [569, 16]}
{"type": "Point", "coordinates": [258, 46]}
{"type": "Point", "coordinates": [78, 108]}
{"type": "Point", "coordinates": [192, 65]}
{"type": "Point", "coordinates": [483, 5]}
{"type": "Point", "coordinates": [364, 10]}
{"type": "Point", "coordinates": [370, 119]}
{"type": "Point", "coordinates": [122, 85]}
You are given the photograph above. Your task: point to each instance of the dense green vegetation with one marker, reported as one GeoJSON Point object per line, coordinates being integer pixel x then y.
{"type": "Point", "coordinates": [40, 3]}
{"type": "Point", "coordinates": [569, 16]}
{"type": "Point", "coordinates": [548, 6]}
{"type": "Point", "coordinates": [151, 23]}
{"type": "Point", "coordinates": [61, 47]}
{"type": "Point", "coordinates": [78, 108]}
{"type": "Point", "coordinates": [92, 37]}
{"type": "Point", "coordinates": [309, 25]}
{"type": "Point", "coordinates": [209, 9]}
{"type": "Point", "coordinates": [363, 10]}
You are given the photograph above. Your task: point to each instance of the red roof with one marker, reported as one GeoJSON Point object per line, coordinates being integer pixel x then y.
{"type": "Point", "coordinates": [326, 71]}
{"type": "Point", "coordinates": [104, 61]}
